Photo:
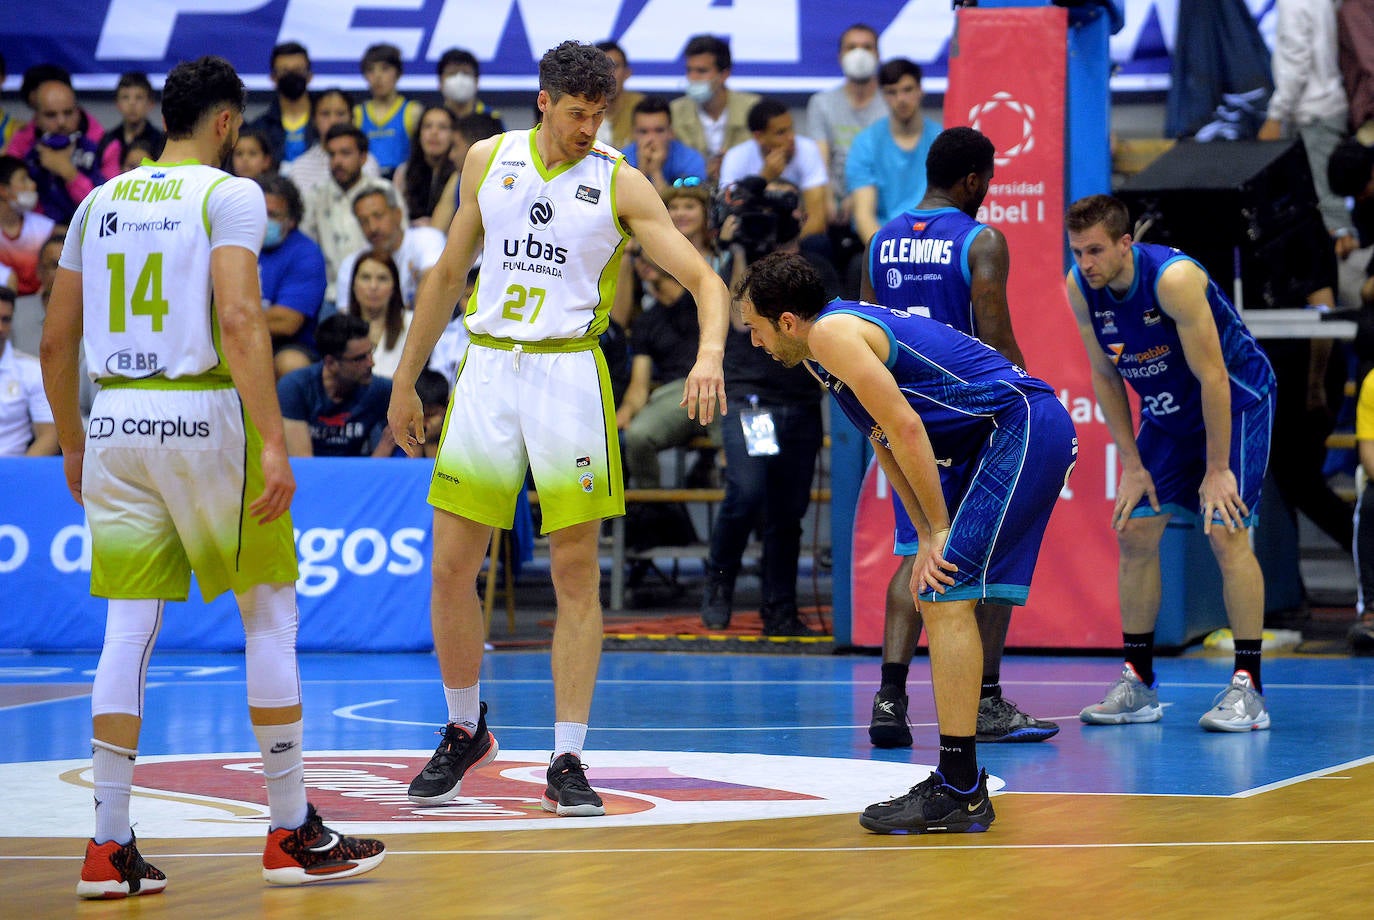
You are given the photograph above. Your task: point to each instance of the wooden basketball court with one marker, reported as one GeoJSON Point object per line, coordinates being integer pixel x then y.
{"type": "Point", "coordinates": [1158, 820]}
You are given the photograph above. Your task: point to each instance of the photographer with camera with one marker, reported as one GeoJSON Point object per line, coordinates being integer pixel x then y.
{"type": "Point", "coordinates": [770, 443]}
{"type": "Point", "coordinates": [776, 152]}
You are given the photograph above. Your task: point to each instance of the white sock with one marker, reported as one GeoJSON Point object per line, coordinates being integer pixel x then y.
{"type": "Point", "coordinates": [113, 771]}
{"type": "Point", "coordinates": [569, 737]}
{"type": "Point", "coordinates": [284, 773]}
{"type": "Point", "coordinates": [464, 706]}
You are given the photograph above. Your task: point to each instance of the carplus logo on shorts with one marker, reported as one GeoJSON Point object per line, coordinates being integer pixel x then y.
{"type": "Point", "coordinates": [102, 426]}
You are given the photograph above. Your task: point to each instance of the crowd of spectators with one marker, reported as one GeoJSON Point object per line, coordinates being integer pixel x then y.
{"type": "Point", "coordinates": [361, 189]}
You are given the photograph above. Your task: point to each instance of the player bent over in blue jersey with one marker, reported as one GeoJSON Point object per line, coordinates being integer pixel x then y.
{"type": "Point", "coordinates": [1150, 315]}
{"type": "Point", "coordinates": [931, 396]}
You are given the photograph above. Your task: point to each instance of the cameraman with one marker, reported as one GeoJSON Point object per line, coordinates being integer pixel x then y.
{"type": "Point", "coordinates": [771, 439]}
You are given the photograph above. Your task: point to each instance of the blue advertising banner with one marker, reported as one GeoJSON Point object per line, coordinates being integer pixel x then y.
{"type": "Point", "coordinates": [779, 46]}
{"type": "Point", "coordinates": [362, 536]}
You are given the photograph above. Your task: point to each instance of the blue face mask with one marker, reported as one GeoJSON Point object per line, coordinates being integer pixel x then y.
{"type": "Point", "coordinates": [699, 91]}
{"type": "Point", "coordinates": [275, 234]}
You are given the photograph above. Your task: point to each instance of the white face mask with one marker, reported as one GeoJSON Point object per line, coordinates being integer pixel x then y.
{"type": "Point", "coordinates": [859, 64]}
{"type": "Point", "coordinates": [25, 201]}
{"type": "Point", "coordinates": [699, 91]}
{"type": "Point", "coordinates": [460, 87]}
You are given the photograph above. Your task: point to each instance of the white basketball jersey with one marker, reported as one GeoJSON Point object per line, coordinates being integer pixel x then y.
{"type": "Point", "coordinates": [145, 240]}
{"type": "Point", "coordinates": [553, 243]}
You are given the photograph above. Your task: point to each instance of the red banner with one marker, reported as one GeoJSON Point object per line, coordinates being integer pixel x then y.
{"type": "Point", "coordinates": [1007, 78]}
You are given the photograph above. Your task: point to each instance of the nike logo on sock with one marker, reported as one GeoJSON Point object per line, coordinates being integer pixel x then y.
{"type": "Point", "coordinates": [281, 747]}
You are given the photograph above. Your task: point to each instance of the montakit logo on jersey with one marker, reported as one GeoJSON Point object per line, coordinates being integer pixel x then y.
{"type": "Point", "coordinates": [160, 225]}
{"type": "Point", "coordinates": [109, 224]}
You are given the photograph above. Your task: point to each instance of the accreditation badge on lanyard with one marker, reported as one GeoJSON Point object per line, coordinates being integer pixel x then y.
{"type": "Point", "coordinates": [760, 434]}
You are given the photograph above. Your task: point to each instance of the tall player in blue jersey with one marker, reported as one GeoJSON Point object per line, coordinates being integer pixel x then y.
{"type": "Point", "coordinates": [1150, 315]}
{"type": "Point", "coordinates": [929, 395]}
{"type": "Point", "coordinates": [939, 261]}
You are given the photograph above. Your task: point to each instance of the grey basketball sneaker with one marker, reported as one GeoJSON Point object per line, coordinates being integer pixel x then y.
{"type": "Point", "coordinates": [1238, 708]}
{"type": "Point", "coordinates": [1127, 700]}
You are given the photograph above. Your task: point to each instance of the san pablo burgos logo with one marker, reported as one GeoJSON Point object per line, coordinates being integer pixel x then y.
{"type": "Point", "coordinates": [541, 213]}
{"type": "Point", "coordinates": [979, 114]}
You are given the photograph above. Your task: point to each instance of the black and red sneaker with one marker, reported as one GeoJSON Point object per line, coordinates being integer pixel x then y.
{"type": "Point", "coordinates": [314, 853]}
{"type": "Point", "coordinates": [117, 870]}
{"type": "Point", "coordinates": [459, 752]}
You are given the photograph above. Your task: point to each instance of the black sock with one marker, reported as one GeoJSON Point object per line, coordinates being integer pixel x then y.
{"type": "Point", "coordinates": [992, 686]}
{"type": "Point", "coordinates": [1140, 654]}
{"type": "Point", "coordinates": [894, 674]}
{"type": "Point", "coordinates": [1248, 660]}
{"type": "Point", "coordinates": [959, 762]}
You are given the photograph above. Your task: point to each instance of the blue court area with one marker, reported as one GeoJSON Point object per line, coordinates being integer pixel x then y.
{"type": "Point", "coordinates": [811, 706]}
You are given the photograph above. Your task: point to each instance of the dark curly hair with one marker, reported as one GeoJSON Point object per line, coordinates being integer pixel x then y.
{"type": "Point", "coordinates": [956, 153]}
{"type": "Point", "coordinates": [577, 69]}
{"type": "Point", "coordinates": [196, 88]}
{"type": "Point", "coordinates": [783, 282]}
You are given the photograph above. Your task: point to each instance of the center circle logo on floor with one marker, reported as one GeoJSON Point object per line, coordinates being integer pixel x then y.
{"type": "Point", "coordinates": [365, 791]}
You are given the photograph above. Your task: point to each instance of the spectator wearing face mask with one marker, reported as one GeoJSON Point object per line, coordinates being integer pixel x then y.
{"type": "Point", "coordinates": [64, 162]}
{"type": "Point", "coordinates": [21, 138]}
{"type": "Point", "coordinates": [835, 117]}
{"type": "Point", "coordinates": [293, 277]}
{"type": "Point", "coordinates": [458, 73]}
{"type": "Point", "coordinates": [22, 230]}
{"type": "Point", "coordinates": [286, 122]}
{"type": "Point", "coordinates": [711, 118]}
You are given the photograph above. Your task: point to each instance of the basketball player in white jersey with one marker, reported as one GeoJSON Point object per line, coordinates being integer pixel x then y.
{"type": "Point", "coordinates": [183, 467]}
{"type": "Point", "coordinates": [553, 210]}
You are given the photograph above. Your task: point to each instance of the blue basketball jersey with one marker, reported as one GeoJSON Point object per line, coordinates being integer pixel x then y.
{"type": "Point", "coordinates": [918, 261]}
{"type": "Point", "coordinates": [388, 138]}
{"type": "Point", "coordinates": [957, 385]}
{"type": "Point", "coordinates": [1142, 341]}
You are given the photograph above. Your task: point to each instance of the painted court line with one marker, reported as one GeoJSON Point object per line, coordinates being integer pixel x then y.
{"type": "Point", "coordinates": [641, 851]}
